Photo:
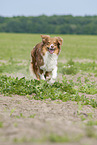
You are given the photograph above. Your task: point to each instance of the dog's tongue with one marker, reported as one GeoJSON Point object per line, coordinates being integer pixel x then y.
{"type": "Point", "coordinates": [51, 51]}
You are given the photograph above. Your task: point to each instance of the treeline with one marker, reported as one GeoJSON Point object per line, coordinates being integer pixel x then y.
{"type": "Point", "coordinates": [65, 24]}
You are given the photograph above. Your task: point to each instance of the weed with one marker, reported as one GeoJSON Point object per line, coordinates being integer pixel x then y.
{"type": "Point", "coordinates": [24, 140]}
{"type": "Point", "coordinates": [20, 116]}
{"type": "Point", "coordinates": [58, 91]}
{"type": "Point", "coordinates": [56, 138]}
{"type": "Point", "coordinates": [91, 123]}
{"type": "Point", "coordinates": [90, 132]}
{"type": "Point", "coordinates": [30, 97]}
{"type": "Point", "coordinates": [22, 86]}
{"type": "Point", "coordinates": [32, 116]}
{"type": "Point", "coordinates": [1, 124]}
{"type": "Point", "coordinates": [88, 88]}
{"type": "Point", "coordinates": [52, 138]}
{"type": "Point", "coordinates": [70, 68]}
{"type": "Point", "coordinates": [82, 117]}
{"type": "Point", "coordinates": [12, 111]}
{"type": "Point", "coordinates": [90, 115]}
{"type": "Point", "coordinates": [15, 124]}
{"type": "Point", "coordinates": [11, 67]}
{"type": "Point", "coordinates": [73, 68]}
{"type": "Point", "coordinates": [79, 108]}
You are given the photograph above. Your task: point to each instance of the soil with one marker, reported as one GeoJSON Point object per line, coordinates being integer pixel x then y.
{"type": "Point", "coordinates": [24, 119]}
{"type": "Point", "coordinates": [28, 122]}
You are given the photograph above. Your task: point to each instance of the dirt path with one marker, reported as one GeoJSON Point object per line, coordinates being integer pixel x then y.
{"type": "Point", "coordinates": [34, 121]}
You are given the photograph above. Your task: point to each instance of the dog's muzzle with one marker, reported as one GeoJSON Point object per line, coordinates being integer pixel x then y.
{"type": "Point", "coordinates": [51, 49]}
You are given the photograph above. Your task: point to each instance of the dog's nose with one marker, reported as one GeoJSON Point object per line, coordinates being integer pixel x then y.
{"type": "Point", "coordinates": [52, 46]}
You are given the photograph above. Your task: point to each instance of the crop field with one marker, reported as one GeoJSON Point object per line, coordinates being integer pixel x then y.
{"type": "Point", "coordinates": [34, 112]}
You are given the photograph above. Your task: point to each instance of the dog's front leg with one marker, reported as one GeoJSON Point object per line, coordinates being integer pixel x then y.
{"type": "Point", "coordinates": [42, 73]}
{"type": "Point", "coordinates": [54, 76]}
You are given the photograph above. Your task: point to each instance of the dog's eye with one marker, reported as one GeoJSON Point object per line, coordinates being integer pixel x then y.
{"type": "Point", "coordinates": [48, 43]}
{"type": "Point", "coordinates": [55, 44]}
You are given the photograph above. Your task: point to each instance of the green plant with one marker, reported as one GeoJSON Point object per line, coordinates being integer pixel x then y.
{"type": "Point", "coordinates": [91, 123]}
{"type": "Point", "coordinates": [70, 68]}
{"type": "Point", "coordinates": [30, 97]}
{"type": "Point", "coordinates": [20, 116]}
{"type": "Point", "coordinates": [88, 88]}
{"type": "Point", "coordinates": [1, 124]}
{"type": "Point", "coordinates": [32, 116]}
{"type": "Point", "coordinates": [56, 138]}
{"type": "Point", "coordinates": [12, 111]}
{"type": "Point", "coordinates": [79, 108]}
{"type": "Point", "coordinates": [90, 132]}
{"type": "Point", "coordinates": [73, 68]}
{"type": "Point", "coordinates": [15, 124]}
{"type": "Point", "coordinates": [41, 90]}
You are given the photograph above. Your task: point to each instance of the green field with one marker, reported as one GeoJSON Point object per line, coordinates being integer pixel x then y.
{"type": "Point", "coordinates": [74, 91]}
{"type": "Point", "coordinates": [15, 52]}
{"type": "Point", "coordinates": [18, 46]}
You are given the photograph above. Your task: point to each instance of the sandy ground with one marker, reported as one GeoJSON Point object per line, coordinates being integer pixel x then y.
{"type": "Point", "coordinates": [24, 119]}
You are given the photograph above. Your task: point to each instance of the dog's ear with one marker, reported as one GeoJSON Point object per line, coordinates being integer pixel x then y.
{"type": "Point", "coordinates": [60, 40]}
{"type": "Point", "coordinates": [45, 38]}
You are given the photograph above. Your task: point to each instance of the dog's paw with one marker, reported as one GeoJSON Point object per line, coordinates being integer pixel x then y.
{"type": "Point", "coordinates": [51, 81]}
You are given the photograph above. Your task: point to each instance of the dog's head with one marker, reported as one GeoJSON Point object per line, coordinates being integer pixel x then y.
{"type": "Point", "coordinates": [53, 45]}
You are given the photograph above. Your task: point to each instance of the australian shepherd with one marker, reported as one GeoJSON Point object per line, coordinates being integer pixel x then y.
{"type": "Point", "coordinates": [44, 58]}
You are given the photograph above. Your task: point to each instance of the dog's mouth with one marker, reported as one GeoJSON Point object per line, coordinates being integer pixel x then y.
{"type": "Point", "coordinates": [51, 50]}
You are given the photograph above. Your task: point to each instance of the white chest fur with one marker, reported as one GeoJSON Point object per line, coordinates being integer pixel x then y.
{"type": "Point", "coordinates": [50, 61]}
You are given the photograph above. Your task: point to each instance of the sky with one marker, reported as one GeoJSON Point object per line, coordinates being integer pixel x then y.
{"type": "Point", "coordinates": [11, 8]}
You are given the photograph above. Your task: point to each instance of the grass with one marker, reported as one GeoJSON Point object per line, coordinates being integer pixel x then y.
{"type": "Point", "coordinates": [1, 124]}
{"type": "Point", "coordinates": [80, 47]}
{"type": "Point", "coordinates": [9, 85]}
{"type": "Point", "coordinates": [91, 123]}
{"type": "Point", "coordinates": [73, 68]}
{"type": "Point", "coordinates": [64, 91]}
{"type": "Point", "coordinates": [12, 111]}
{"type": "Point", "coordinates": [16, 48]}
{"type": "Point", "coordinates": [52, 138]}
{"type": "Point", "coordinates": [19, 46]}
{"type": "Point", "coordinates": [11, 66]}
